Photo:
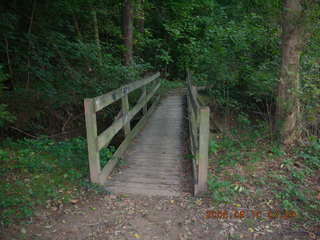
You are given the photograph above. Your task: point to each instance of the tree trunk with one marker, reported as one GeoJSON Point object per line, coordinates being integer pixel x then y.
{"type": "Point", "coordinates": [140, 16]}
{"type": "Point", "coordinates": [128, 32]}
{"type": "Point", "coordinates": [96, 34]}
{"type": "Point", "coordinates": [77, 27]}
{"type": "Point", "coordinates": [34, 3]}
{"type": "Point", "coordinates": [288, 105]}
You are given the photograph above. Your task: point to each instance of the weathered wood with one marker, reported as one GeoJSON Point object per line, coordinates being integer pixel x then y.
{"type": "Point", "coordinates": [93, 152]}
{"type": "Point", "coordinates": [155, 162]}
{"type": "Point", "coordinates": [203, 149]}
{"type": "Point", "coordinates": [106, 136]}
{"type": "Point", "coordinates": [144, 94]}
{"type": "Point", "coordinates": [194, 100]}
{"type": "Point", "coordinates": [148, 192]}
{"type": "Point", "coordinates": [147, 185]}
{"type": "Point", "coordinates": [125, 110]}
{"type": "Point", "coordinates": [199, 137]}
{"type": "Point", "coordinates": [106, 99]}
{"type": "Point", "coordinates": [123, 146]}
{"type": "Point", "coordinates": [150, 180]}
{"type": "Point", "coordinates": [147, 175]}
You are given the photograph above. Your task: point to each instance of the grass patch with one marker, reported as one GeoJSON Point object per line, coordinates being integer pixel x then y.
{"type": "Point", "coordinates": [35, 172]}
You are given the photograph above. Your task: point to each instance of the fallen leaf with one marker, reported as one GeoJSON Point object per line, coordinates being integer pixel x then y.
{"type": "Point", "coordinates": [74, 201]}
{"type": "Point", "coordinates": [250, 229]}
{"type": "Point", "coordinates": [137, 236]}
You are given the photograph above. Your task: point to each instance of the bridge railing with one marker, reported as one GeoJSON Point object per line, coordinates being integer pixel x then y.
{"type": "Point", "coordinates": [97, 142]}
{"type": "Point", "coordinates": [199, 127]}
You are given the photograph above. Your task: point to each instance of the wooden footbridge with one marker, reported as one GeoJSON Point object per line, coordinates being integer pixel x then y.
{"type": "Point", "coordinates": [154, 154]}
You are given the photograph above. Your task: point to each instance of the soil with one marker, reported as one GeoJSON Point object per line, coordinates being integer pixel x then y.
{"type": "Point", "coordinates": [129, 217]}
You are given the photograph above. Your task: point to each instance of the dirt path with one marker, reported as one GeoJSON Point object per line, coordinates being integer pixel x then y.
{"type": "Point", "coordinates": [129, 217]}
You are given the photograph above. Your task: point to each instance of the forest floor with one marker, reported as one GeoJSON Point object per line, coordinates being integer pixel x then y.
{"type": "Point", "coordinates": [129, 217]}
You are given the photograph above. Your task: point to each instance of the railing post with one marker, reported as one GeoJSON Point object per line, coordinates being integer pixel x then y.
{"type": "Point", "coordinates": [144, 94]}
{"type": "Point", "coordinates": [203, 149]}
{"type": "Point", "coordinates": [125, 110]}
{"type": "Point", "coordinates": [93, 152]}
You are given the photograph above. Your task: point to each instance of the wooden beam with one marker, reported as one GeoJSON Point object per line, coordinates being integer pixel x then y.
{"type": "Point", "coordinates": [93, 152]}
{"type": "Point", "coordinates": [125, 110]}
{"type": "Point", "coordinates": [203, 149]}
{"type": "Point", "coordinates": [144, 94]}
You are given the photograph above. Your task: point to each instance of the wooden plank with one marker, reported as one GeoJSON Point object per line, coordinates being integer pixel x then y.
{"type": "Point", "coordinates": [106, 136]}
{"type": "Point", "coordinates": [150, 176]}
{"type": "Point", "coordinates": [150, 180]}
{"type": "Point", "coordinates": [125, 110]}
{"type": "Point", "coordinates": [93, 152]}
{"type": "Point", "coordinates": [203, 150]}
{"type": "Point", "coordinates": [163, 155]}
{"type": "Point", "coordinates": [141, 191]}
{"type": "Point", "coordinates": [147, 168]}
{"type": "Point", "coordinates": [146, 185]}
{"type": "Point", "coordinates": [146, 163]}
{"type": "Point", "coordinates": [123, 146]}
{"type": "Point", "coordinates": [164, 146]}
{"type": "Point", "coordinates": [154, 160]}
{"type": "Point", "coordinates": [106, 99]}
{"type": "Point", "coordinates": [153, 173]}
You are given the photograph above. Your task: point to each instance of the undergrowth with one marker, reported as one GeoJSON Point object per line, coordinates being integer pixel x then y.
{"type": "Point", "coordinates": [34, 173]}
{"type": "Point", "coordinates": [248, 166]}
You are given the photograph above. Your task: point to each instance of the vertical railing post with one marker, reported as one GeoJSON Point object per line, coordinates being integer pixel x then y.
{"type": "Point", "coordinates": [93, 151]}
{"type": "Point", "coordinates": [203, 148]}
{"type": "Point", "coordinates": [125, 110]}
{"type": "Point", "coordinates": [144, 94]}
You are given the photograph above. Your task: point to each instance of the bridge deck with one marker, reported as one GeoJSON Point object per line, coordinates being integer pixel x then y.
{"type": "Point", "coordinates": [155, 163]}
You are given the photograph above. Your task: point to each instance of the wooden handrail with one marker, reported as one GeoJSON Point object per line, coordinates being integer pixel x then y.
{"type": "Point", "coordinates": [97, 142]}
{"type": "Point", "coordinates": [108, 98]}
{"type": "Point", "coordinates": [199, 127]}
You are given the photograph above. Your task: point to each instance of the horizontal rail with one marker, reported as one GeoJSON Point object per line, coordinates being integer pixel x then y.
{"type": "Point", "coordinates": [108, 98]}
{"type": "Point", "coordinates": [105, 137]}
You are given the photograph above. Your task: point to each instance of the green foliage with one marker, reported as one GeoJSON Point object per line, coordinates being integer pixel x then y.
{"type": "Point", "coordinates": [167, 85]}
{"type": "Point", "coordinates": [248, 165]}
{"type": "Point", "coordinates": [240, 147]}
{"type": "Point", "coordinates": [225, 191]}
{"type": "Point", "coordinates": [311, 154]}
{"type": "Point", "coordinates": [34, 172]}
{"type": "Point", "coordinates": [293, 193]}
{"type": "Point", "coordinates": [54, 61]}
